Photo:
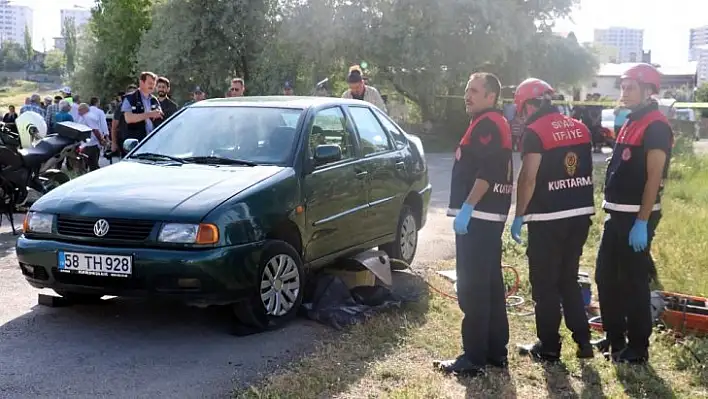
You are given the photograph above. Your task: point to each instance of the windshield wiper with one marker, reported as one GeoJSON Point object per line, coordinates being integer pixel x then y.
{"type": "Point", "coordinates": [156, 157]}
{"type": "Point", "coordinates": [214, 160]}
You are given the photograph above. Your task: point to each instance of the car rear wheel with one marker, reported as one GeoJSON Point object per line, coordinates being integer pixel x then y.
{"type": "Point", "coordinates": [406, 239]}
{"type": "Point", "coordinates": [278, 294]}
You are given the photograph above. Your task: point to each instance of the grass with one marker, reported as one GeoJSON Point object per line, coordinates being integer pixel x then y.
{"type": "Point", "coordinates": [390, 356]}
{"type": "Point", "coordinates": [14, 93]}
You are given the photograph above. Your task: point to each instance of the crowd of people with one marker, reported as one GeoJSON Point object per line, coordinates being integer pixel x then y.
{"type": "Point", "coordinates": [555, 199]}
{"type": "Point", "coordinates": [139, 109]}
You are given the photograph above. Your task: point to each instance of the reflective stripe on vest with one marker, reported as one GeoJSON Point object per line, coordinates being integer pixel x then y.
{"type": "Point", "coordinates": [544, 217]}
{"type": "Point", "coordinates": [611, 206]}
{"type": "Point", "coordinates": [491, 217]}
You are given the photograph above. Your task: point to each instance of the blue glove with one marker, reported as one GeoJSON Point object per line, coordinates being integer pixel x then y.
{"type": "Point", "coordinates": [638, 236]}
{"type": "Point", "coordinates": [463, 219]}
{"type": "Point", "coordinates": [516, 229]}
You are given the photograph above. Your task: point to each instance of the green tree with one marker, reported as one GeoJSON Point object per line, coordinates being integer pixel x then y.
{"type": "Point", "coordinates": [207, 43]}
{"type": "Point", "coordinates": [29, 50]}
{"type": "Point", "coordinates": [108, 51]}
{"type": "Point", "coordinates": [13, 56]}
{"type": "Point", "coordinates": [68, 31]}
{"type": "Point", "coordinates": [701, 96]}
{"type": "Point", "coordinates": [55, 62]}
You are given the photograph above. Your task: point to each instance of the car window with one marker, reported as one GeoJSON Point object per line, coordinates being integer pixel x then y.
{"type": "Point", "coordinates": [256, 134]}
{"type": "Point", "coordinates": [329, 127]}
{"type": "Point", "coordinates": [371, 135]}
{"type": "Point", "coordinates": [394, 131]}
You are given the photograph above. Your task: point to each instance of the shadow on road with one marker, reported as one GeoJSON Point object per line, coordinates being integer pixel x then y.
{"type": "Point", "coordinates": [149, 348]}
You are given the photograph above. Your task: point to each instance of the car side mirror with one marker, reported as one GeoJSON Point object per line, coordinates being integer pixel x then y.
{"type": "Point", "coordinates": [327, 153]}
{"type": "Point", "coordinates": [129, 144]}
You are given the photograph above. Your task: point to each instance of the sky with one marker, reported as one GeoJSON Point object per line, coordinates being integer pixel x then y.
{"type": "Point", "coordinates": [47, 24]}
{"type": "Point", "coordinates": [665, 22]}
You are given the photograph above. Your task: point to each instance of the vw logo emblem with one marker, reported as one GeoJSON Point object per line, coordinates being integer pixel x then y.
{"type": "Point", "coordinates": [100, 229]}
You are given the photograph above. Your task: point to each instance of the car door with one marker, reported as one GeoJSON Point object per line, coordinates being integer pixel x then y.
{"type": "Point", "coordinates": [386, 165]}
{"type": "Point", "coordinates": [336, 193]}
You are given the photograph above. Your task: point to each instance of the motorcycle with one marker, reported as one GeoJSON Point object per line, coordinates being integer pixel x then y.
{"type": "Point", "coordinates": [32, 128]}
{"type": "Point", "coordinates": [25, 170]}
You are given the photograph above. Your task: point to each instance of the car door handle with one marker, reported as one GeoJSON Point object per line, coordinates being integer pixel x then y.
{"type": "Point", "coordinates": [400, 165]}
{"type": "Point", "coordinates": [360, 174]}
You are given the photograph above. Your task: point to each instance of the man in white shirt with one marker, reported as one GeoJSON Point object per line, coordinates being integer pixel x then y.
{"type": "Point", "coordinates": [92, 149]}
{"type": "Point", "coordinates": [95, 107]}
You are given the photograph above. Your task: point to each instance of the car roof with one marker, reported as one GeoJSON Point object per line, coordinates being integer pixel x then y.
{"type": "Point", "coordinates": [295, 102]}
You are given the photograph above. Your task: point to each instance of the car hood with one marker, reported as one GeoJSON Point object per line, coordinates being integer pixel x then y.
{"type": "Point", "coordinates": [137, 190]}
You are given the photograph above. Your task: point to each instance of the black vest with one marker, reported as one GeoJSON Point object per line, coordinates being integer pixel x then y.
{"type": "Point", "coordinates": [137, 130]}
{"type": "Point", "coordinates": [564, 183]}
{"type": "Point", "coordinates": [627, 173]}
{"type": "Point", "coordinates": [471, 152]}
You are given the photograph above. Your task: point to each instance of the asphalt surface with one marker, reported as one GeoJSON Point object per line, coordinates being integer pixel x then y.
{"type": "Point", "coordinates": [134, 349]}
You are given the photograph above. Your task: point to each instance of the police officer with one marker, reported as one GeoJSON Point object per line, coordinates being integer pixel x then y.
{"type": "Point", "coordinates": [633, 187]}
{"type": "Point", "coordinates": [197, 95]}
{"type": "Point", "coordinates": [141, 108]}
{"type": "Point", "coordinates": [118, 125]}
{"type": "Point", "coordinates": [480, 197]}
{"type": "Point", "coordinates": [555, 199]}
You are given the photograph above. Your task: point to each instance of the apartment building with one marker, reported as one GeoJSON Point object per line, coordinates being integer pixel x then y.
{"type": "Point", "coordinates": [80, 16]}
{"type": "Point", "coordinates": [698, 37]}
{"type": "Point", "coordinates": [629, 42]}
{"type": "Point", "coordinates": [13, 21]}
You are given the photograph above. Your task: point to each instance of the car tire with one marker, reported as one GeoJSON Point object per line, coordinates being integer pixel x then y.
{"type": "Point", "coordinates": [264, 310]}
{"type": "Point", "coordinates": [406, 243]}
{"type": "Point", "coordinates": [75, 297]}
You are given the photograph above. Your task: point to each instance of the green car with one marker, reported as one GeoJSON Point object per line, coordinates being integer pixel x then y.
{"type": "Point", "coordinates": [232, 202]}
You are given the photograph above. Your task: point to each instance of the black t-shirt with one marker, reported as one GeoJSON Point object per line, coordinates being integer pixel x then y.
{"type": "Point", "coordinates": [168, 107]}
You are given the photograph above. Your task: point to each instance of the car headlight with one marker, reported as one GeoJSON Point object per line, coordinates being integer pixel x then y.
{"type": "Point", "coordinates": [37, 222]}
{"type": "Point", "coordinates": [188, 233]}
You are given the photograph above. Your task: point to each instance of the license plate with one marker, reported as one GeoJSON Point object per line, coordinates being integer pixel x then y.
{"type": "Point", "coordinates": [95, 264]}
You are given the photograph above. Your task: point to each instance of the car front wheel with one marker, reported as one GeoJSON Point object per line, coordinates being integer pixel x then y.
{"type": "Point", "coordinates": [278, 294]}
{"type": "Point", "coordinates": [406, 243]}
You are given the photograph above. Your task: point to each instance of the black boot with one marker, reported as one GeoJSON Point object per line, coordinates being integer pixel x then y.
{"type": "Point", "coordinates": [538, 351]}
{"type": "Point", "coordinates": [631, 356]}
{"type": "Point", "coordinates": [501, 363]}
{"type": "Point", "coordinates": [459, 366]}
{"type": "Point", "coordinates": [585, 351]}
{"type": "Point", "coordinates": [602, 345]}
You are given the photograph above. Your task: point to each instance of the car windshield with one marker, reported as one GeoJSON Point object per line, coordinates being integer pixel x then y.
{"type": "Point", "coordinates": [217, 135]}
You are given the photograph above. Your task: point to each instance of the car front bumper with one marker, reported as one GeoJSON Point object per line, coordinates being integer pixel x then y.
{"type": "Point", "coordinates": [201, 277]}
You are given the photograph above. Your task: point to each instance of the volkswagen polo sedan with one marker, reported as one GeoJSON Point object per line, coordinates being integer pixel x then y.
{"type": "Point", "coordinates": [231, 202]}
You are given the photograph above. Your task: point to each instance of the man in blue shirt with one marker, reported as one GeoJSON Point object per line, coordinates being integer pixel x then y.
{"type": "Point", "coordinates": [141, 108]}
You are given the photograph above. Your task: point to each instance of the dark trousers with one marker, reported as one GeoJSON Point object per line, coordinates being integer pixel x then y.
{"type": "Point", "coordinates": [623, 278]}
{"type": "Point", "coordinates": [554, 251]}
{"type": "Point", "coordinates": [480, 292]}
{"type": "Point", "coordinates": [93, 154]}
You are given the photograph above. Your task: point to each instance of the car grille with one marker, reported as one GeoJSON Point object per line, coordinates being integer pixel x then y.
{"type": "Point", "coordinates": [119, 229]}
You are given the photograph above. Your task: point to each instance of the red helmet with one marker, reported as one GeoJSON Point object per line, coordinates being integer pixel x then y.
{"type": "Point", "coordinates": [530, 89]}
{"type": "Point", "coordinates": [644, 74]}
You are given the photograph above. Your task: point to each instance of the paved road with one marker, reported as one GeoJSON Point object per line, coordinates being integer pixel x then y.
{"type": "Point", "coordinates": [149, 350]}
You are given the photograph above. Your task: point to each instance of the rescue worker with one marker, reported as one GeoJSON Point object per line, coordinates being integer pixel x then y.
{"type": "Point", "coordinates": [633, 186]}
{"type": "Point", "coordinates": [480, 198]}
{"type": "Point", "coordinates": [555, 198]}
{"type": "Point", "coordinates": [141, 108]}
